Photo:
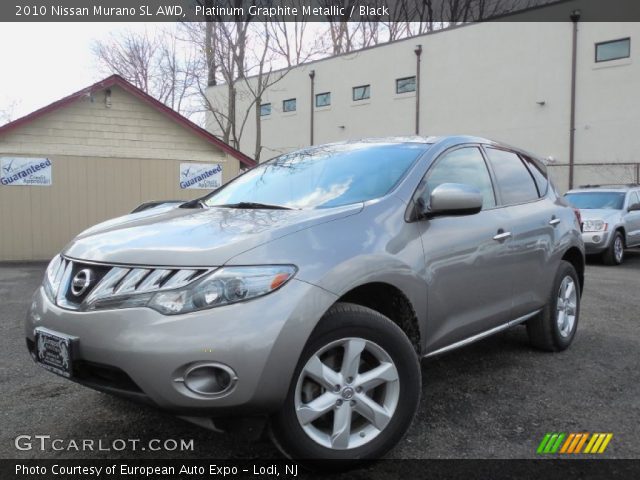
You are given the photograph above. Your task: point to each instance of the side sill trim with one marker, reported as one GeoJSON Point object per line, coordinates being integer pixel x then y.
{"type": "Point", "coordinates": [481, 335]}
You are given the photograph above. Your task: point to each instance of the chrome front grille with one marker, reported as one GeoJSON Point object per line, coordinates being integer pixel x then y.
{"type": "Point", "coordinates": [115, 281]}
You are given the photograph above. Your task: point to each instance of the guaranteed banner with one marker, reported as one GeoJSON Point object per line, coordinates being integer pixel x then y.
{"type": "Point", "coordinates": [205, 176]}
{"type": "Point", "coordinates": [25, 171]}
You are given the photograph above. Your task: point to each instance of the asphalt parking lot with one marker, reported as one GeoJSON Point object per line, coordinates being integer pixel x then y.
{"type": "Point", "coordinates": [493, 399]}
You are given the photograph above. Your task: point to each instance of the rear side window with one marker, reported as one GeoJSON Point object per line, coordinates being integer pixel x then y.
{"type": "Point", "coordinates": [538, 174]}
{"type": "Point", "coordinates": [464, 165]}
{"type": "Point", "coordinates": [515, 182]}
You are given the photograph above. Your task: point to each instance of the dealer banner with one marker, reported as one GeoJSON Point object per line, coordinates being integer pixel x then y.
{"type": "Point", "coordinates": [205, 176]}
{"type": "Point", "coordinates": [25, 171]}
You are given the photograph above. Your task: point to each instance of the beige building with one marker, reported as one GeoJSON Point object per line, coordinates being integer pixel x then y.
{"type": "Point", "coordinates": [95, 155]}
{"type": "Point", "coordinates": [505, 80]}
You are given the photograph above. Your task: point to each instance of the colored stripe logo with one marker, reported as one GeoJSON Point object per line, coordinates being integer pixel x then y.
{"type": "Point", "coordinates": [574, 443]}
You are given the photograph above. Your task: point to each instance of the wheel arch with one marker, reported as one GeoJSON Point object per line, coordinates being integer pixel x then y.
{"type": "Point", "coordinates": [623, 232]}
{"type": "Point", "coordinates": [391, 302]}
{"type": "Point", "coordinates": [576, 258]}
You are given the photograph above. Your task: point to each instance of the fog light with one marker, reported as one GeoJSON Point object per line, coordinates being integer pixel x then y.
{"type": "Point", "coordinates": [596, 238]}
{"type": "Point", "coordinates": [210, 379]}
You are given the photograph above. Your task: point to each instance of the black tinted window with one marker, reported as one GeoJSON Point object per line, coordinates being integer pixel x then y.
{"type": "Point", "coordinates": [465, 165]}
{"type": "Point", "coordinates": [514, 180]}
{"type": "Point", "coordinates": [539, 175]}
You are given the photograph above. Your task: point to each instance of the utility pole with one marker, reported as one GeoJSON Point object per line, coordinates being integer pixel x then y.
{"type": "Point", "coordinates": [418, 52]}
{"type": "Point", "coordinates": [575, 18]}
{"type": "Point", "coordinates": [312, 76]}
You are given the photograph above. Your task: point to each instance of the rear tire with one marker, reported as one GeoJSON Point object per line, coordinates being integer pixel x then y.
{"type": "Point", "coordinates": [554, 328]}
{"type": "Point", "coordinates": [333, 409]}
{"type": "Point", "coordinates": [614, 255]}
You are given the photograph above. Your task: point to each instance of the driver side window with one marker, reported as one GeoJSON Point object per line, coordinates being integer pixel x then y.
{"type": "Point", "coordinates": [464, 165]}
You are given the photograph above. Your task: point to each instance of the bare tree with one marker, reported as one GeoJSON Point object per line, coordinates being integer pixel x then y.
{"type": "Point", "coordinates": [291, 42]}
{"type": "Point", "coordinates": [160, 64]}
{"type": "Point", "coordinates": [246, 58]}
{"type": "Point", "coordinates": [129, 54]}
{"type": "Point", "coordinates": [7, 113]}
{"type": "Point", "coordinates": [342, 33]}
{"type": "Point", "coordinates": [177, 66]}
{"type": "Point", "coordinates": [264, 77]}
{"type": "Point", "coordinates": [416, 17]}
{"type": "Point", "coordinates": [5, 116]}
{"type": "Point", "coordinates": [224, 45]}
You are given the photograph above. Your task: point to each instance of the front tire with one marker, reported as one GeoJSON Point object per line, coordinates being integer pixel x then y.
{"type": "Point", "coordinates": [554, 328]}
{"type": "Point", "coordinates": [355, 389]}
{"type": "Point", "coordinates": [614, 255]}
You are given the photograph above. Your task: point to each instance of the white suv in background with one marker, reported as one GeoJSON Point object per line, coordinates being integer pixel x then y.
{"type": "Point", "coordinates": [610, 219]}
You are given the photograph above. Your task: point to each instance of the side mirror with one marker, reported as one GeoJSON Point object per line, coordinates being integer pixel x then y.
{"type": "Point", "coordinates": [453, 199]}
{"type": "Point", "coordinates": [634, 208]}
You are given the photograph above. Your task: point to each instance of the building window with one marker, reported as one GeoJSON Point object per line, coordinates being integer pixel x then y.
{"type": "Point", "coordinates": [265, 109]}
{"type": "Point", "coordinates": [361, 93]}
{"type": "Point", "coordinates": [407, 84]}
{"type": "Point", "coordinates": [289, 105]}
{"type": "Point", "coordinates": [323, 99]}
{"type": "Point", "coordinates": [613, 50]}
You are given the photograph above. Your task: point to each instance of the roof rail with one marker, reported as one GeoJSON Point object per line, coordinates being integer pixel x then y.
{"type": "Point", "coordinates": [611, 185]}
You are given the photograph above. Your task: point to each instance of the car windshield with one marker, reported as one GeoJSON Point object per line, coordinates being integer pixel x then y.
{"type": "Point", "coordinates": [595, 200]}
{"type": "Point", "coordinates": [320, 177]}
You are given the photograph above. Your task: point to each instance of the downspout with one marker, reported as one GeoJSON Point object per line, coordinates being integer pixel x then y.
{"type": "Point", "coordinates": [418, 52]}
{"type": "Point", "coordinates": [575, 17]}
{"type": "Point", "coordinates": [312, 76]}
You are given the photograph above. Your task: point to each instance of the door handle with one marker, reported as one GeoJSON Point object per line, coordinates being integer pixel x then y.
{"type": "Point", "coordinates": [501, 236]}
{"type": "Point", "coordinates": [554, 221]}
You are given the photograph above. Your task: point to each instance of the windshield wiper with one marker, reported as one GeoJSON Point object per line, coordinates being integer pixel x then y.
{"type": "Point", "coordinates": [253, 205]}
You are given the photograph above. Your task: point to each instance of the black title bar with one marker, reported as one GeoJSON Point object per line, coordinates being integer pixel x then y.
{"type": "Point", "coordinates": [447, 11]}
{"type": "Point", "coordinates": [167, 469]}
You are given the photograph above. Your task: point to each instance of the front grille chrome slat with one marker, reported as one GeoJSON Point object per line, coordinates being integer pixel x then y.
{"type": "Point", "coordinates": [178, 279]}
{"type": "Point", "coordinates": [120, 281]}
{"type": "Point", "coordinates": [128, 284]}
{"type": "Point", "coordinates": [153, 280]}
{"type": "Point", "coordinates": [105, 287]}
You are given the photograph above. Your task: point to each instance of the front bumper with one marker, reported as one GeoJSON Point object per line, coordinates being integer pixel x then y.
{"type": "Point", "coordinates": [140, 353]}
{"type": "Point", "coordinates": [595, 242]}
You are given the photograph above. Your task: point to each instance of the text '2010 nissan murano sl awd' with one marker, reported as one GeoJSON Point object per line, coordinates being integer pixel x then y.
{"type": "Point", "coordinates": [305, 291]}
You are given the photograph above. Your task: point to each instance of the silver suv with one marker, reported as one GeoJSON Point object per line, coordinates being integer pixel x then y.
{"type": "Point", "coordinates": [610, 219]}
{"type": "Point", "coordinates": [306, 291]}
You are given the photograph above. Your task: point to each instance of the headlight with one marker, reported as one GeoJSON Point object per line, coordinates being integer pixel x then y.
{"type": "Point", "coordinates": [594, 226]}
{"type": "Point", "coordinates": [222, 287]}
{"type": "Point", "coordinates": [52, 277]}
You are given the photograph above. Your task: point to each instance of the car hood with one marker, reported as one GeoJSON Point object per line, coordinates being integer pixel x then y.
{"type": "Point", "coordinates": [599, 214]}
{"type": "Point", "coordinates": [172, 236]}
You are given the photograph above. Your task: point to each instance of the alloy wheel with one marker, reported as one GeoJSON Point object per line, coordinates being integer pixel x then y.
{"type": "Point", "coordinates": [347, 393]}
{"type": "Point", "coordinates": [618, 249]}
{"type": "Point", "coordinates": [566, 306]}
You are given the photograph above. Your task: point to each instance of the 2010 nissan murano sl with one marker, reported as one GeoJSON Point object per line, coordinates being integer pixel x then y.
{"type": "Point", "coordinates": [305, 291]}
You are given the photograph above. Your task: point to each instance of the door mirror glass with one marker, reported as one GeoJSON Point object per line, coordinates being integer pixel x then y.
{"type": "Point", "coordinates": [453, 199]}
{"type": "Point", "coordinates": [634, 208]}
